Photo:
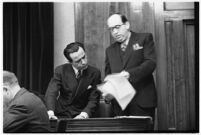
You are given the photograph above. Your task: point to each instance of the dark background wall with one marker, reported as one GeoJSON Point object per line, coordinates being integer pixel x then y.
{"type": "Point", "coordinates": [28, 43]}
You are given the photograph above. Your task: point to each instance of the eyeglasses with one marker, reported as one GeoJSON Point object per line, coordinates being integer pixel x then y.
{"type": "Point", "coordinates": [117, 27]}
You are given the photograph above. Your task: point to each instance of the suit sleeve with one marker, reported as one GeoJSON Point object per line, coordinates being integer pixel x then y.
{"type": "Point", "coordinates": [15, 117]}
{"type": "Point", "coordinates": [53, 90]}
{"type": "Point", "coordinates": [107, 64]}
{"type": "Point", "coordinates": [148, 65]}
{"type": "Point", "coordinates": [94, 96]}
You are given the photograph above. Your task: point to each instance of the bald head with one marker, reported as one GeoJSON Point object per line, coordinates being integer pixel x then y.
{"type": "Point", "coordinates": [119, 27]}
{"type": "Point", "coordinates": [116, 18]}
{"type": "Point", "coordinates": [9, 78]}
{"type": "Point", "coordinates": [10, 87]}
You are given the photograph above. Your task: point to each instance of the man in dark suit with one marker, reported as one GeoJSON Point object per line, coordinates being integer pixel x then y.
{"type": "Point", "coordinates": [23, 111]}
{"type": "Point", "coordinates": [133, 56]}
{"type": "Point", "coordinates": [72, 90]}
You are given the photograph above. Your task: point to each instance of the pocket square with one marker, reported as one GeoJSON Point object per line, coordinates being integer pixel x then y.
{"type": "Point", "coordinates": [136, 47]}
{"type": "Point", "coordinates": [89, 87]}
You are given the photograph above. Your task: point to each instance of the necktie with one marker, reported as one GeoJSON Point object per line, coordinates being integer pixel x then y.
{"type": "Point", "coordinates": [123, 47]}
{"type": "Point", "coordinates": [78, 74]}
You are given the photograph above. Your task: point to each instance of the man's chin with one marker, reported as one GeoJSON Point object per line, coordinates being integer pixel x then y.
{"type": "Point", "coordinates": [85, 67]}
{"type": "Point", "coordinates": [119, 40]}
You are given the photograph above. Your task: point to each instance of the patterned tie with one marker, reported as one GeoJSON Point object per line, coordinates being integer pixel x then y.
{"type": "Point", "coordinates": [123, 47]}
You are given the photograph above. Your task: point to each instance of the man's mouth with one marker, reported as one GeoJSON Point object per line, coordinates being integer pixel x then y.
{"type": "Point", "coordinates": [84, 67]}
{"type": "Point", "coordinates": [118, 37]}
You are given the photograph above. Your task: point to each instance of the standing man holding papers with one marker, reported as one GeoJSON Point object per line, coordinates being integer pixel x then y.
{"type": "Point", "coordinates": [133, 56]}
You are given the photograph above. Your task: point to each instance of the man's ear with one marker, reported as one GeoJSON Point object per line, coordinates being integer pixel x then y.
{"type": "Point", "coordinates": [5, 88]}
{"type": "Point", "coordinates": [127, 25]}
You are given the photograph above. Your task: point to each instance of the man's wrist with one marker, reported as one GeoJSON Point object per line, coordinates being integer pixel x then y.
{"type": "Point", "coordinates": [50, 113]}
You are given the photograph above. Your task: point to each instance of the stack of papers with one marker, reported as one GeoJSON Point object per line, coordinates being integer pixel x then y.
{"type": "Point", "coordinates": [119, 87]}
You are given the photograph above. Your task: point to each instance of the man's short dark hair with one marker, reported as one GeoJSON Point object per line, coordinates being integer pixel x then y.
{"type": "Point", "coordinates": [71, 48]}
{"type": "Point", "coordinates": [9, 78]}
{"type": "Point", "coordinates": [124, 19]}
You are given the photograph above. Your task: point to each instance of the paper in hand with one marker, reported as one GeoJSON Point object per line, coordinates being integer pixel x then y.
{"type": "Point", "coordinates": [119, 87]}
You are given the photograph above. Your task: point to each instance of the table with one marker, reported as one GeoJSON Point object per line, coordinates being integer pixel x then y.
{"type": "Point", "coordinates": [103, 125]}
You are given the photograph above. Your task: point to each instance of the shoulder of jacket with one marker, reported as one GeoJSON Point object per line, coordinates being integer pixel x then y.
{"type": "Point", "coordinates": [143, 34]}
{"type": "Point", "coordinates": [111, 46]}
{"type": "Point", "coordinates": [60, 67]}
{"type": "Point", "coordinates": [93, 69]}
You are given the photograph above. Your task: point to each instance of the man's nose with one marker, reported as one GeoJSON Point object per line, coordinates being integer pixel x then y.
{"type": "Point", "coordinates": [115, 31]}
{"type": "Point", "coordinates": [83, 61]}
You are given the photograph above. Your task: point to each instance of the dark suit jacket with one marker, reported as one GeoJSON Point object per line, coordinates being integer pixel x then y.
{"type": "Point", "coordinates": [66, 97]}
{"type": "Point", "coordinates": [140, 63]}
{"type": "Point", "coordinates": [26, 113]}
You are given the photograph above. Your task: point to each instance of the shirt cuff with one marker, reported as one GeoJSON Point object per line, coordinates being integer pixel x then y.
{"type": "Point", "coordinates": [50, 113]}
{"type": "Point", "coordinates": [84, 114]}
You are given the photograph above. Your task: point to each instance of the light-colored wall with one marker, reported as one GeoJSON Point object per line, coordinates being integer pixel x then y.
{"type": "Point", "coordinates": [64, 30]}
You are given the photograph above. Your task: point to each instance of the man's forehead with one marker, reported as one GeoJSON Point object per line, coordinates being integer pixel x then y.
{"type": "Point", "coordinates": [114, 20]}
{"type": "Point", "coordinates": [77, 55]}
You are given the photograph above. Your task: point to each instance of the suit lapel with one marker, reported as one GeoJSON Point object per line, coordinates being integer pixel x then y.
{"type": "Point", "coordinates": [117, 53]}
{"type": "Point", "coordinates": [72, 80]}
{"type": "Point", "coordinates": [129, 49]}
{"type": "Point", "coordinates": [81, 85]}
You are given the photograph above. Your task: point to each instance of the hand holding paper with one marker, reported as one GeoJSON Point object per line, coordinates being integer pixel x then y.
{"type": "Point", "coordinates": [124, 74]}
{"type": "Point", "coordinates": [119, 87]}
{"type": "Point", "coordinates": [107, 97]}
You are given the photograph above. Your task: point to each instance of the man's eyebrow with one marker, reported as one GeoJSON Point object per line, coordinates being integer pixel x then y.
{"type": "Point", "coordinates": [80, 58]}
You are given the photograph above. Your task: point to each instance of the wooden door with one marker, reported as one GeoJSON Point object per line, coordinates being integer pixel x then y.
{"type": "Point", "coordinates": [175, 67]}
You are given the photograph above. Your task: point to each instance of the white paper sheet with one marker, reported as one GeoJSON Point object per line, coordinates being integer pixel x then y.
{"type": "Point", "coordinates": [119, 87]}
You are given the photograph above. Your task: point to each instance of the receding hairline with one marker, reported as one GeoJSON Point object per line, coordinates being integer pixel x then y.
{"type": "Point", "coordinates": [114, 15]}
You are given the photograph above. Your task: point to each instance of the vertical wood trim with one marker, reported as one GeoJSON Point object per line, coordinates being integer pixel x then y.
{"type": "Point", "coordinates": [171, 110]}
{"type": "Point", "coordinates": [79, 22]}
{"type": "Point", "coordinates": [161, 71]}
{"type": "Point", "coordinates": [190, 73]}
{"type": "Point", "coordinates": [178, 47]}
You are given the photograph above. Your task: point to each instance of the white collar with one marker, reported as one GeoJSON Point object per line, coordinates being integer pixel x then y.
{"type": "Point", "coordinates": [75, 70]}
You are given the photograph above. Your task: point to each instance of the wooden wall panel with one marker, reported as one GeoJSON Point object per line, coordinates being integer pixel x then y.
{"type": "Point", "coordinates": [180, 75]}
{"type": "Point", "coordinates": [79, 22]}
{"type": "Point", "coordinates": [92, 31]}
{"type": "Point", "coordinates": [142, 17]}
{"type": "Point", "coordinates": [180, 90]}
{"type": "Point", "coordinates": [179, 46]}
{"type": "Point", "coordinates": [161, 74]}
{"type": "Point", "coordinates": [171, 106]}
{"type": "Point", "coordinates": [190, 72]}
{"type": "Point", "coordinates": [178, 5]}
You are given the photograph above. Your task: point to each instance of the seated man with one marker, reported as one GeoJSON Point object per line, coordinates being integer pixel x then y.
{"type": "Point", "coordinates": [23, 111]}
{"type": "Point", "coordinates": [72, 90]}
